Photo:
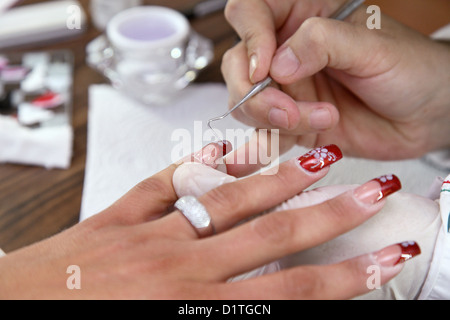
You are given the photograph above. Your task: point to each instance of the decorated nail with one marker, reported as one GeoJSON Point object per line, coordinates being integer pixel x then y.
{"type": "Point", "coordinates": [397, 253]}
{"type": "Point", "coordinates": [389, 184]}
{"type": "Point", "coordinates": [378, 188]}
{"type": "Point", "coordinates": [319, 158]}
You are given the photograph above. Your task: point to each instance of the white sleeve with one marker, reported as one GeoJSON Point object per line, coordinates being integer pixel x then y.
{"type": "Point", "coordinates": [1, 253]}
{"type": "Point", "coordinates": [438, 279]}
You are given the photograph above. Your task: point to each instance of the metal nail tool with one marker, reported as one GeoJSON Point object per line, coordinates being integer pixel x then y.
{"type": "Point", "coordinates": [348, 8]}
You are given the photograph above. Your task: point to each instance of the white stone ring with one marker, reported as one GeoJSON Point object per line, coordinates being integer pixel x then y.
{"type": "Point", "coordinates": [196, 214]}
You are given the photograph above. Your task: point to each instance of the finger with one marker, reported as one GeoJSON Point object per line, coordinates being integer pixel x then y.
{"type": "Point", "coordinates": [279, 234]}
{"type": "Point", "coordinates": [273, 108]}
{"type": "Point", "coordinates": [151, 198]}
{"type": "Point", "coordinates": [257, 111]}
{"type": "Point", "coordinates": [230, 203]}
{"type": "Point", "coordinates": [253, 21]}
{"type": "Point", "coordinates": [344, 280]}
{"type": "Point", "coordinates": [321, 43]}
{"type": "Point", "coordinates": [263, 149]}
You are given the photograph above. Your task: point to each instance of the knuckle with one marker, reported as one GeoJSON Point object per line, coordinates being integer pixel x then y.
{"type": "Point", "coordinates": [232, 7]}
{"type": "Point", "coordinates": [154, 185]}
{"type": "Point", "coordinates": [339, 210]}
{"type": "Point", "coordinates": [275, 229]}
{"type": "Point", "coordinates": [225, 200]}
{"type": "Point", "coordinates": [226, 60]}
{"type": "Point", "coordinates": [251, 37]}
{"type": "Point", "coordinates": [302, 283]}
{"type": "Point", "coordinates": [315, 30]}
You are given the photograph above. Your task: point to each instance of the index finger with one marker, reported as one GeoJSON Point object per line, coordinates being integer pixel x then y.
{"type": "Point", "coordinates": [254, 23]}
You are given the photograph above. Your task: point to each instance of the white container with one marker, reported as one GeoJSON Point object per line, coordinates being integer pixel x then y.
{"type": "Point", "coordinates": [150, 53]}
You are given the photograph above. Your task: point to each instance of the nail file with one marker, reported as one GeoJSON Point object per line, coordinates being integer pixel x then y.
{"type": "Point", "coordinates": [41, 22]}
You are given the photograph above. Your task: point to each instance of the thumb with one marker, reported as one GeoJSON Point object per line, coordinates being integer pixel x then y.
{"type": "Point", "coordinates": [321, 43]}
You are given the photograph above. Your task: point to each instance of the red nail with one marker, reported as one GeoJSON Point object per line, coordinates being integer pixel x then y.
{"type": "Point", "coordinates": [377, 189]}
{"type": "Point", "coordinates": [319, 158]}
{"type": "Point", "coordinates": [389, 184]}
{"type": "Point", "coordinates": [397, 253]}
{"type": "Point", "coordinates": [410, 249]}
{"type": "Point", "coordinates": [226, 147]}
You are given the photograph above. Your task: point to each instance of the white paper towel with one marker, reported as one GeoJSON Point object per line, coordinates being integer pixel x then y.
{"type": "Point", "coordinates": [50, 146]}
{"type": "Point", "coordinates": [129, 141]}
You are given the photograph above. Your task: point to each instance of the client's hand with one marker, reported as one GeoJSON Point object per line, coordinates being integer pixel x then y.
{"type": "Point", "coordinates": [138, 248]}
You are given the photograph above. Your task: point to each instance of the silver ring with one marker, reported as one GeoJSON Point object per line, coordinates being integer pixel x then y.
{"type": "Point", "coordinates": [196, 214]}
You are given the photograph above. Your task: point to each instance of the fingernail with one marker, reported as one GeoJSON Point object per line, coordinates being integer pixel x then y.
{"type": "Point", "coordinates": [397, 253]}
{"type": "Point", "coordinates": [211, 152]}
{"type": "Point", "coordinates": [285, 63]}
{"type": "Point", "coordinates": [279, 118]}
{"type": "Point", "coordinates": [319, 158]}
{"type": "Point", "coordinates": [227, 147]}
{"type": "Point", "coordinates": [377, 189]}
{"type": "Point", "coordinates": [320, 119]}
{"type": "Point", "coordinates": [253, 65]}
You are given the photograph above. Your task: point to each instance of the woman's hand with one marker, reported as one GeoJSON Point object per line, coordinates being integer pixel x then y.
{"type": "Point", "coordinates": [380, 94]}
{"type": "Point", "coordinates": [141, 249]}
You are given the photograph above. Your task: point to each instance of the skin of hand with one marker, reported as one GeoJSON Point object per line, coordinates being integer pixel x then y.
{"type": "Point", "coordinates": [139, 248]}
{"type": "Point", "coordinates": [380, 94]}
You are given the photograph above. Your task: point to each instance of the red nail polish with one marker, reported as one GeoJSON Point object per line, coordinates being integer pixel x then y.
{"type": "Point", "coordinates": [376, 189]}
{"type": "Point", "coordinates": [397, 253]}
{"type": "Point", "coordinates": [410, 249]}
{"type": "Point", "coordinates": [226, 147]}
{"type": "Point", "coordinates": [319, 158]}
{"type": "Point", "coordinates": [389, 184]}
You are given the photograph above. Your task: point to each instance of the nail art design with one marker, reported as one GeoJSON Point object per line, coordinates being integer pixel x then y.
{"type": "Point", "coordinates": [319, 158]}
{"type": "Point", "coordinates": [397, 253]}
{"type": "Point", "coordinates": [389, 184]}
{"type": "Point", "coordinates": [410, 249]}
{"type": "Point", "coordinates": [376, 189]}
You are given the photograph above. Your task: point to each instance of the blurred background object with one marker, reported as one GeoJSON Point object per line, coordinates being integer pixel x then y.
{"type": "Point", "coordinates": [103, 10]}
{"type": "Point", "coordinates": [41, 22]}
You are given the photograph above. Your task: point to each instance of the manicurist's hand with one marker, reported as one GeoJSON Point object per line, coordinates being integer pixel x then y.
{"type": "Point", "coordinates": [141, 248]}
{"type": "Point", "coordinates": [379, 94]}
